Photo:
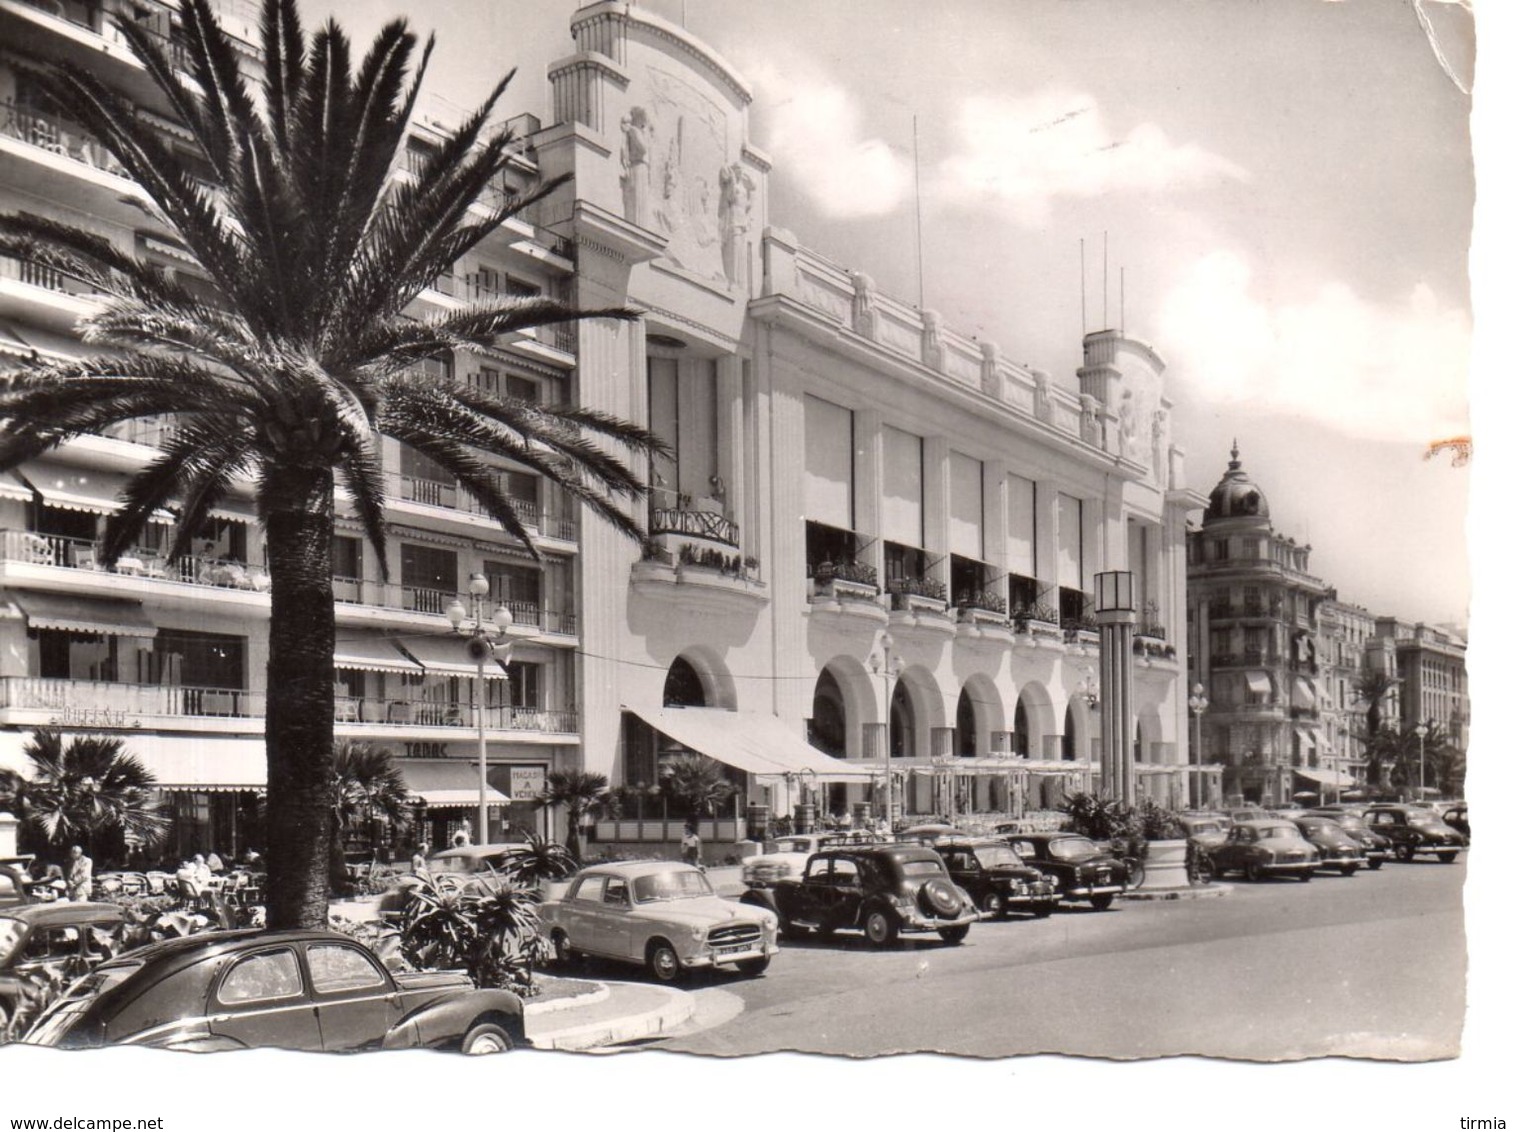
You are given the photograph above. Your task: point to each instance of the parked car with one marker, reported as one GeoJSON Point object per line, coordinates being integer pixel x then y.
{"type": "Point", "coordinates": [55, 938]}
{"type": "Point", "coordinates": [1267, 847]}
{"type": "Point", "coordinates": [1252, 813]}
{"type": "Point", "coordinates": [304, 990]}
{"type": "Point", "coordinates": [881, 890]}
{"type": "Point", "coordinates": [1456, 817]}
{"type": "Point", "coordinates": [999, 881]}
{"type": "Point", "coordinates": [1376, 849]}
{"type": "Point", "coordinates": [1084, 870]}
{"type": "Point", "coordinates": [787, 856]}
{"type": "Point", "coordinates": [465, 860]}
{"type": "Point", "coordinates": [1415, 829]}
{"type": "Point", "coordinates": [1205, 831]}
{"type": "Point", "coordinates": [1339, 849]}
{"type": "Point", "coordinates": [661, 915]}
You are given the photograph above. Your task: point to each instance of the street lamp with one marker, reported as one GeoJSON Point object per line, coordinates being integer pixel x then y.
{"type": "Point", "coordinates": [1199, 701]}
{"type": "Point", "coordinates": [887, 665]}
{"type": "Point", "coordinates": [482, 633]}
{"type": "Point", "coordinates": [1421, 743]}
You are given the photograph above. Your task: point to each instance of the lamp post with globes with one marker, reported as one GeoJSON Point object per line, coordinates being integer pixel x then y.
{"type": "Point", "coordinates": [1199, 701]}
{"type": "Point", "coordinates": [886, 664]}
{"type": "Point", "coordinates": [481, 633]}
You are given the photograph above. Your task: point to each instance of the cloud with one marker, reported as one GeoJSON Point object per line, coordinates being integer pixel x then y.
{"type": "Point", "coordinates": [1026, 152]}
{"type": "Point", "coordinates": [1395, 371]}
{"type": "Point", "coordinates": [816, 132]}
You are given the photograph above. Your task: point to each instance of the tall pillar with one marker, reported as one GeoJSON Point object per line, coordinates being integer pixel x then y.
{"type": "Point", "coordinates": [1117, 618]}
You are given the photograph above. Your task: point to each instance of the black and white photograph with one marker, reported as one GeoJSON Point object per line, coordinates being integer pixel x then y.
{"type": "Point", "coordinates": [840, 557]}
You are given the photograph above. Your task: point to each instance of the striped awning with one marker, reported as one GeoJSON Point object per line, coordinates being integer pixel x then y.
{"type": "Point", "coordinates": [1258, 682]}
{"type": "Point", "coordinates": [444, 784]}
{"type": "Point", "coordinates": [373, 654]}
{"type": "Point", "coordinates": [448, 656]}
{"type": "Point", "coordinates": [75, 614]}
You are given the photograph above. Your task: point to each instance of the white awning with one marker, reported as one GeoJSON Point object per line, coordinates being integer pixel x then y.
{"type": "Point", "coordinates": [203, 762]}
{"type": "Point", "coordinates": [755, 742]}
{"type": "Point", "coordinates": [443, 784]}
{"type": "Point", "coordinates": [75, 614]}
{"type": "Point", "coordinates": [1324, 777]}
{"type": "Point", "coordinates": [1304, 696]}
{"type": "Point", "coordinates": [1258, 682]}
{"type": "Point", "coordinates": [373, 654]}
{"type": "Point", "coordinates": [447, 656]}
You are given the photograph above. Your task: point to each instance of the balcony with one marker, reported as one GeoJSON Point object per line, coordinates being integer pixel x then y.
{"type": "Point", "coordinates": [57, 134]}
{"type": "Point", "coordinates": [708, 526]}
{"type": "Point", "coordinates": [33, 549]}
{"type": "Point", "coordinates": [47, 278]}
{"type": "Point", "coordinates": [445, 495]}
{"type": "Point", "coordinates": [86, 703]}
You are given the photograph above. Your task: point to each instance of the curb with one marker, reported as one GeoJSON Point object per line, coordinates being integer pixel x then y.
{"type": "Point", "coordinates": [678, 1008]}
{"type": "Point", "coordinates": [1201, 892]}
{"type": "Point", "coordinates": [599, 992]}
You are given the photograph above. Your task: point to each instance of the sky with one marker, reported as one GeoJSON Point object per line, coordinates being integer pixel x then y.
{"type": "Point", "coordinates": [1277, 196]}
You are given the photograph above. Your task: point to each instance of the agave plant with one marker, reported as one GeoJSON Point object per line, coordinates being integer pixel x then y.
{"type": "Point", "coordinates": [509, 943]}
{"type": "Point", "coordinates": [437, 928]}
{"type": "Point", "coordinates": [541, 860]}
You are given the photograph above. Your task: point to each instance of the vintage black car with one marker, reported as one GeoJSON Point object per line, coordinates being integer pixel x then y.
{"type": "Point", "coordinates": [1338, 848]}
{"type": "Point", "coordinates": [58, 941]}
{"type": "Point", "coordinates": [1376, 848]}
{"type": "Point", "coordinates": [1457, 817]}
{"type": "Point", "coordinates": [881, 891]}
{"type": "Point", "coordinates": [1265, 848]}
{"type": "Point", "coordinates": [1084, 871]}
{"type": "Point", "coordinates": [304, 990]}
{"type": "Point", "coordinates": [1415, 829]}
{"type": "Point", "coordinates": [998, 880]}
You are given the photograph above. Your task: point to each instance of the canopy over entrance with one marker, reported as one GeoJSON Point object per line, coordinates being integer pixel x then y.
{"type": "Point", "coordinates": [755, 742]}
{"type": "Point", "coordinates": [443, 784]}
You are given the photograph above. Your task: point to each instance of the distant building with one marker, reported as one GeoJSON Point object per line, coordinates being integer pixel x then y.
{"type": "Point", "coordinates": [1433, 688]}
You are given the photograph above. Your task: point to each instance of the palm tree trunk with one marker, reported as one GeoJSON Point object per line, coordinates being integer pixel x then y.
{"type": "Point", "coordinates": [575, 816]}
{"type": "Point", "coordinates": [302, 637]}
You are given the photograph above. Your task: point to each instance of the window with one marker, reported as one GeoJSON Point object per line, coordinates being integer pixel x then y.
{"type": "Point", "coordinates": [52, 943]}
{"type": "Point", "coordinates": [1220, 550]}
{"type": "Point", "coordinates": [616, 893]}
{"type": "Point", "coordinates": [591, 888]}
{"type": "Point", "coordinates": [525, 682]}
{"type": "Point", "coordinates": [347, 557]}
{"type": "Point", "coordinates": [335, 969]}
{"type": "Point", "coordinates": [429, 568]}
{"type": "Point", "coordinates": [520, 486]}
{"type": "Point", "coordinates": [269, 974]}
{"type": "Point", "coordinates": [844, 871]}
{"type": "Point", "coordinates": [523, 388]}
{"type": "Point", "coordinates": [519, 585]}
{"type": "Point", "coordinates": [204, 660]}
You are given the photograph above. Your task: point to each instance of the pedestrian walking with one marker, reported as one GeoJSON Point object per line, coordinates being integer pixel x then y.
{"type": "Point", "coordinates": [81, 874]}
{"type": "Point", "coordinates": [689, 845]}
{"type": "Point", "coordinates": [418, 859]}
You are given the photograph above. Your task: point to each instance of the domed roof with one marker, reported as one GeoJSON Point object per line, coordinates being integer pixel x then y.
{"type": "Point", "coordinates": [1235, 496]}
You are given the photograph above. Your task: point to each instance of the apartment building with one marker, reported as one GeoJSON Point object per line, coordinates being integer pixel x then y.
{"type": "Point", "coordinates": [172, 657]}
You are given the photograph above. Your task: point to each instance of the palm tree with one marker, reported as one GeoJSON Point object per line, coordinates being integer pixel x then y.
{"type": "Point", "coordinates": [293, 355]}
{"type": "Point", "coordinates": [697, 783]}
{"type": "Point", "coordinates": [369, 786]}
{"type": "Point", "coordinates": [578, 792]}
{"type": "Point", "coordinates": [540, 861]}
{"type": "Point", "coordinates": [1372, 689]}
{"type": "Point", "coordinates": [82, 792]}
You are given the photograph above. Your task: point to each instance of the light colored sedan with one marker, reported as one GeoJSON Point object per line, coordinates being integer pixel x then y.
{"type": "Point", "coordinates": [1271, 847]}
{"type": "Point", "coordinates": [661, 915]}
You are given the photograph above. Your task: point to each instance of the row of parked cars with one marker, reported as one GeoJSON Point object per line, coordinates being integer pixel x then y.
{"type": "Point", "coordinates": [1341, 837]}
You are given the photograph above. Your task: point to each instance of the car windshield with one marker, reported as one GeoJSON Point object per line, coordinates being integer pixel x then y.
{"type": "Point", "coordinates": [11, 931]}
{"type": "Point", "coordinates": [997, 856]}
{"type": "Point", "coordinates": [1422, 817]}
{"type": "Point", "coordinates": [1204, 827]}
{"type": "Point", "coordinates": [682, 885]}
{"type": "Point", "coordinates": [1072, 849]}
{"type": "Point", "coordinates": [1277, 832]}
{"type": "Point", "coordinates": [1349, 822]}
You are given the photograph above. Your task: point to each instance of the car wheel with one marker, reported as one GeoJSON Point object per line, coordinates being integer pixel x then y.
{"type": "Point", "coordinates": [880, 928]}
{"type": "Point", "coordinates": [1043, 911]}
{"type": "Point", "coordinates": [1348, 870]}
{"type": "Point", "coordinates": [1447, 858]}
{"type": "Point", "coordinates": [1252, 871]}
{"type": "Point", "coordinates": [788, 930]}
{"type": "Point", "coordinates": [992, 904]}
{"type": "Point", "coordinates": [1374, 865]}
{"type": "Point", "coordinates": [563, 954]}
{"type": "Point", "coordinates": [753, 966]}
{"type": "Point", "coordinates": [1405, 851]}
{"type": "Point", "coordinates": [1305, 876]}
{"type": "Point", "coordinates": [1103, 901]}
{"type": "Point", "coordinates": [663, 961]}
{"type": "Point", "coordinates": [486, 1037]}
{"type": "Point", "coordinates": [954, 936]}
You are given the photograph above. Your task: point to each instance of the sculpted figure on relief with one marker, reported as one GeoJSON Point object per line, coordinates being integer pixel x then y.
{"type": "Point", "coordinates": [636, 170]}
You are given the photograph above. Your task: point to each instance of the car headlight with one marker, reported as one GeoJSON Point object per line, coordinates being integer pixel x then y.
{"type": "Point", "coordinates": [697, 934]}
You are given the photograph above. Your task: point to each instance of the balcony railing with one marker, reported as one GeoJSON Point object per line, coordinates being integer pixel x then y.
{"type": "Point", "coordinates": [88, 703]}
{"type": "Point", "coordinates": [709, 525]}
{"type": "Point", "coordinates": [57, 134]}
{"type": "Point", "coordinates": [84, 554]}
{"type": "Point", "coordinates": [987, 600]}
{"type": "Point", "coordinates": [446, 495]}
{"type": "Point", "coordinates": [99, 703]}
{"type": "Point", "coordinates": [903, 587]}
{"type": "Point", "coordinates": [49, 279]}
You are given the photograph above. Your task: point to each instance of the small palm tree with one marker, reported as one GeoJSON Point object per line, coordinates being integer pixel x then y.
{"type": "Point", "coordinates": [541, 860]}
{"type": "Point", "coordinates": [581, 794]}
{"type": "Point", "coordinates": [369, 786]}
{"type": "Point", "coordinates": [697, 783]}
{"type": "Point", "coordinates": [83, 791]}
{"type": "Point", "coordinates": [288, 354]}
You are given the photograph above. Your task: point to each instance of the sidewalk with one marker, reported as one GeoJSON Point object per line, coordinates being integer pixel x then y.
{"type": "Point", "coordinates": [606, 1014]}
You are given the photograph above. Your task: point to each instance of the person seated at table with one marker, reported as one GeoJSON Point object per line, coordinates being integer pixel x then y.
{"type": "Point", "coordinates": [214, 862]}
